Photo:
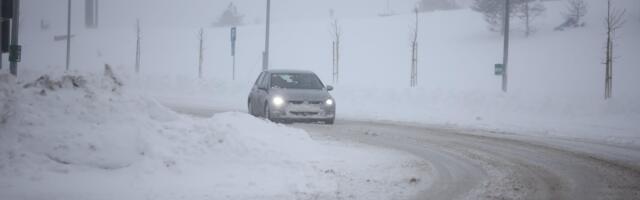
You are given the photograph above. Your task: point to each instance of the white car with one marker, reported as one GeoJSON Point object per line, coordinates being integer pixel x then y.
{"type": "Point", "coordinates": [291, 96]}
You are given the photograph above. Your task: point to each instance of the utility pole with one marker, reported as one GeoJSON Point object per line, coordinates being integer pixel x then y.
{"type": "Point", "coordinates": [333, 66]}
{"type": "Point", "coordinates": [265, 54]}
{"type": "Point", "coordinates": [1, 31]}
{"type": "Point", "coordinates": [15, 49]}
{"type": "Point", "coordinates": [505, 59]}
{"type": "Point", "coordinates": [68, 34]}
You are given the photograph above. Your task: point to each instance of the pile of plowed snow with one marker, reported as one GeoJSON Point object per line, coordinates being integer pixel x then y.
{"type": "Point", "coordinates": [88, 137]}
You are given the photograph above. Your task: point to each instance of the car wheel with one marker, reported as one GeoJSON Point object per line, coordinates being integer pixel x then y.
{"type": "Point", "coordinates": [250, 109]}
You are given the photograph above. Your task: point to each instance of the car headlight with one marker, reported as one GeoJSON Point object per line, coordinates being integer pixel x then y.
{"type": "Point", "coordinates": [329, 102]}
{"type": "Point", "coordinates": [278, 101]}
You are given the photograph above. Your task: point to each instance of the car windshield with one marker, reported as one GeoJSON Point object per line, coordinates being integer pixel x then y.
{"type": "Point", "coordinates": [296, 81]}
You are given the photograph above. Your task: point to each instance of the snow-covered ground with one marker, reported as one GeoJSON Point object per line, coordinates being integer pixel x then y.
{"type": "Point", "coordinates": [100, 140]}
{"type": "Point", "coordinates": [555, 86]}
{"type": "Point", "coordinates": [90, 137]}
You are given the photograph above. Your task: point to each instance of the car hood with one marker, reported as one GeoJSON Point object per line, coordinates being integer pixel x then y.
{"type": "Point", "coordinates": [301, 95]}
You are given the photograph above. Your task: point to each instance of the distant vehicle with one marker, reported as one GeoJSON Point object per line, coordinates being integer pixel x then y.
{"type": "Point", "coordinates": [291, 96]}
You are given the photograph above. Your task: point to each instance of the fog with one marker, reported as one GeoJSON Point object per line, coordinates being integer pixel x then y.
{"type": "Point", "coordinates": [123, 13]}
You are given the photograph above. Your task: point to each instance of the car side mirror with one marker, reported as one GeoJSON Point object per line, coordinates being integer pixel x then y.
{"type": "Point", "coordinates": [260, 87]}
{"type": "Point", "coordinates": [329, 88]}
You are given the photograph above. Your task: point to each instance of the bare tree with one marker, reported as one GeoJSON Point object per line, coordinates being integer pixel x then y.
{"type": "Point", "coordinates": [138, 46]}
{"type": "Point", "coordinates": [529, 10]}
{"type": "Point", "coordinates": [200, 55]}
{"type": "Point", "coordinates": [414, 51]}
{"type": "Point", "coordinates": [613, 22]}
{"type": "Point", "coordinates": [576, 10]}
{"type": "Point", "coordinates": [336, 31]}
{"type": "Point", "coordinates": [493, 11]}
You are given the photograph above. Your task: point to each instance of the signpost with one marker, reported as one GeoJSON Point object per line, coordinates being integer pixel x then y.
{"type": "Point", "coordinates": [233, 51]}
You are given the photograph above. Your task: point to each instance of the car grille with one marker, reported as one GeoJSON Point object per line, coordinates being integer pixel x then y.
{"type": "Point", "coordinates": [299, 113]}
{"type": "Point", "coordinates": [305, 102]}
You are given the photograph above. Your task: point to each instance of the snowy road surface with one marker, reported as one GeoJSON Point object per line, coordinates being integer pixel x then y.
{"type": "Point", "coordinates": [472, 164]}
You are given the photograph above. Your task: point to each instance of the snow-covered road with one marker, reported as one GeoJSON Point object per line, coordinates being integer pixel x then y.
{"type": "Point", "coordinates": [475, 164]}
{"type": "Point", "coordinates": [478, 165]}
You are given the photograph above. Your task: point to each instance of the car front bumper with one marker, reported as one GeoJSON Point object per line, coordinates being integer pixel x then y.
{"type": "Point", "coordinates": [302, 112]}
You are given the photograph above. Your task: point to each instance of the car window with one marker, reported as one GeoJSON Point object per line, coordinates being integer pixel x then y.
{"type": "Point", "coordinates": [259, 79]}
{"type": "Point", "coordinates": [296, 81]}
{"type": "Point", "coordinates": [264, 80]}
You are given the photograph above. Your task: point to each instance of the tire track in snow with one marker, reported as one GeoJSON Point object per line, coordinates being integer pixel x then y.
{"type": "Point", "coordinates": [473, 166]}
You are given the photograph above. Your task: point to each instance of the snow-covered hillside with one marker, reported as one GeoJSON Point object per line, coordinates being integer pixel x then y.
{"type": "Point", "coordinates": [556, 78]}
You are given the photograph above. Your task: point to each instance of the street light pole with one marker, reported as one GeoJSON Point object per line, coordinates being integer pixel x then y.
{"type": "Point", "coordinates": [15, 25]}
{"type": "Point", "coordinates": [265, 54]}
{"type": "Point", "coordinates": [68, 34]}
{"type": "Point", "coordinates": [506, 46]}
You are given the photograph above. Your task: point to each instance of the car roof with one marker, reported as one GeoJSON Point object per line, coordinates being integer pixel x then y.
{"type": "Point", "coordinates": [289, 71]}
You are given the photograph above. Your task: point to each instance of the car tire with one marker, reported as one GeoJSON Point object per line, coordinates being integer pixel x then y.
{"type": "Point", "coordinates": [249, 108]}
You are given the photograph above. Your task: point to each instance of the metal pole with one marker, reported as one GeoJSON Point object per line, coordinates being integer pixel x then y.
{"type": "Point", "coordinates": [333, 64]}
{"type": "Point", "coordinates": [68, 34]}
{"type": "Point", "coordinates": [15, 24]}
{"type": "Point", "coordinates": [233, 75]}
{"type": "Point", "coordinates": [265, 54]}
{"type": "Point", "coordinates": [506, 46]}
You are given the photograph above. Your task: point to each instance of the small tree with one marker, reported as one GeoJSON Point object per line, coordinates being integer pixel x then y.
{"type": "Point", "coordinates": [528, 11]}
{"type": "Point", "coordinates": [613, 21]}
{"type": "Point", "coordinates": [336, 32]}
{"type": "Point", "coordinates": [230, 17]}
{"type": "Point", "coordinates": [414, 52]}
{"type": "Point", "coordinates": [138, 52]}
{"type": "Point", "coordinates": [432, 5]}
{"type": "Point", "coordinates": [576, 10]}
{"type": "Point", "coordinates": [200, 54]}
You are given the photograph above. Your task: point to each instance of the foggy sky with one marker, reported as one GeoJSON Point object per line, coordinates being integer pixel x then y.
{"type": "Point", "coordinates": [122, 13]}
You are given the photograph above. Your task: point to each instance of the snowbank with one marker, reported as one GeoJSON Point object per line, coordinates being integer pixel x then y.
{"type": "Point", "coordinates": [87, 136]}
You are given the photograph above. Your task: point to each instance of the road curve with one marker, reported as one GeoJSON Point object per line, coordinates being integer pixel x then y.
{"type": "Point", "coordinates": [484, 165]}
{"type": "Point", "coordinates": [471, 164]}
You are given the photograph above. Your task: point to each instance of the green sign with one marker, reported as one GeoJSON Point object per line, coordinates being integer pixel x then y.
{"type": "Point", "coordinates": [499, 69]}
{"type": "Point", "coordinates": [15, 53]}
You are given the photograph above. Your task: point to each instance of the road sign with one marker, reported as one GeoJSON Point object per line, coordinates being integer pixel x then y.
{"type": "Point", "coordinates": [233, 41]}
{"type": "Point", "coordinates": [499, 69]}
